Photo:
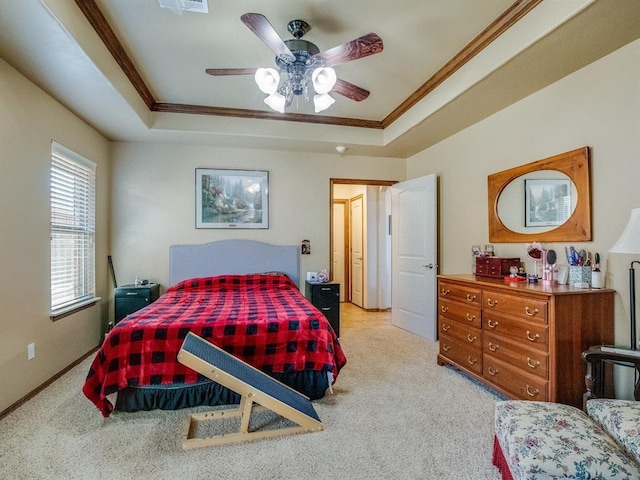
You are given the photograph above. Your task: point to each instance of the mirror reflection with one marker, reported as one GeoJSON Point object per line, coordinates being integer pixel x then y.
{"type": "Point", "coordinates": [516, 204]}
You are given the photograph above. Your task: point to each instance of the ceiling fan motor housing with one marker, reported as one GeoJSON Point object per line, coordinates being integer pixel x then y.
{"type": "Point", "coordinates": [299, 70]}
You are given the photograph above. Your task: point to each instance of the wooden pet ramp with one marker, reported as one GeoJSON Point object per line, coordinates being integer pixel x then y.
{"type": "Point", "coordinates": [254, 387]}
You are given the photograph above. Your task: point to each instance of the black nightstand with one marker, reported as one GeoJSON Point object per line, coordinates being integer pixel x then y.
{"type": "Point", "coordinates": [326, 298]}
{"type": "Point", "coordinates": [130, 298]}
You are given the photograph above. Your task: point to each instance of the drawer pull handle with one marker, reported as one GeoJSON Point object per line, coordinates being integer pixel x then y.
{"type": "Point", "coordinates": [472, 361]}
{"type": "Point", "coordinates": [530, 338]}
{"type": "Point", "coordinates": [535, 364]}
{"type": "Point", "coordinates": [133, 294]}
{"type": "Point", "coordinates": [470, 297]}
{"type": "Point", "coordinates": [470, 317]}
{"type": "Point", "coordinates": [445, 292]}
{"type": "Point", "coordinates": [444, 309]}
{"type": "Point", "coordinates": [492, 303]}
{"type": "Point", "coordinates": [535, 393]}
{"type": "Point", "coordinates": [446, 347]}
{"type": "Point", "coordinates": [470, 338]}
{"type": "Point", "coordinates": [446, 327]}
{"type": "Point", "coordinates": [492, 324]}
{"type": "Point", "coordinates": [493, 346]}
{"type": "Point", "coordinates": [326, 309]}
{"type": "Point", "coordinates": [492, 371]}
{"type": "Point", "coordinates": [530, 312]}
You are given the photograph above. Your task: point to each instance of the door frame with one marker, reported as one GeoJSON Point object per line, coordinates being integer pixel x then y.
{"type": "Point", "coordinates": [348, 181]}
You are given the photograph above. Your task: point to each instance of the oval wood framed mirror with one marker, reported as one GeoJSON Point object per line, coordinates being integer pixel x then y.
{"type": "Point", "coordinates": [577, 228]}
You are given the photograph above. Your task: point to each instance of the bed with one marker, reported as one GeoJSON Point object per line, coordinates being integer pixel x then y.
{"type": "Point", "coordinates": [241, 295]}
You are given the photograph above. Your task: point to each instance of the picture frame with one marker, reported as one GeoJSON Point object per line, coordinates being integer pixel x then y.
{"type": "Point", "coordinates": [227, 198]}
{"type": "Point", "coordinates": [547, 202]}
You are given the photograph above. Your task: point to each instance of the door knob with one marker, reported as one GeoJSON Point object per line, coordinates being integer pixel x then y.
{"type": "Point", "coordinates": [429, 265]}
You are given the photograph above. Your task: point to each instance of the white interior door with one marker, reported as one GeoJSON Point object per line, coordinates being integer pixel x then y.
{"type": "Point", "coordinates": [338, 255]}
{"type": "Point", "coordinates": [357, 253]}
{"type": "Point", "coordinates": [414, 256]}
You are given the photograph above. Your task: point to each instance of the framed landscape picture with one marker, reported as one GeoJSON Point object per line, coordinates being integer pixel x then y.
{"type": "Point", "coordinates": [547, 202]}
{"type": "Point", "coordinates": [232, 198]}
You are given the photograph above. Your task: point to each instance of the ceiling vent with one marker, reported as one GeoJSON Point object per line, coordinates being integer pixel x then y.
{"type": "Point", "coordinates": [179, 6]}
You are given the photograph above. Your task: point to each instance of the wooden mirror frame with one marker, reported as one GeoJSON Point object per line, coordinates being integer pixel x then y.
{"type": "Point", "coordinates": [575, 165]}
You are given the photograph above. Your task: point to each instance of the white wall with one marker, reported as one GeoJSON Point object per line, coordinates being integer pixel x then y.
{"type": "Point", "coordinates": [29, 121]}
{"type": "Point", "coordinates": [153, 200]}
{"type": "Point", "coordinates": [599, 107]}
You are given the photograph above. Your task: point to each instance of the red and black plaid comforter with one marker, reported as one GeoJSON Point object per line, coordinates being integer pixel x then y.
{"type": "Point", "coordinates": [262, 319]}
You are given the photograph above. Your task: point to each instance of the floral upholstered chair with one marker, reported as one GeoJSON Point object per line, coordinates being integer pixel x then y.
{"type": "Point", "coordinates": [541, 440]}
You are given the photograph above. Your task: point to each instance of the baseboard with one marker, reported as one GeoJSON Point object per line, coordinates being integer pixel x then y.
{"type": "Point", "coordinates": [38, 389]}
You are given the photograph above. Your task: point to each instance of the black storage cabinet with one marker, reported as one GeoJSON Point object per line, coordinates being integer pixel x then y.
{"type": "Point", "coordinates": [129, 298]}
{"type": "Point", "coordinates": [326, 298]}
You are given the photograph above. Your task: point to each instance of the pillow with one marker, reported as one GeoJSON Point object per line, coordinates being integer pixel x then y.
{"type": "Point", "coordinates": [274, 273]}
{"type": "Point", "coordinates": [543, 440]}
{"type": "Point", "coordinates": [621, 420]}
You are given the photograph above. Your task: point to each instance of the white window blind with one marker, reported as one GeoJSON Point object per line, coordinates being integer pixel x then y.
{"type": "Point", "coordinates": [73, 200]}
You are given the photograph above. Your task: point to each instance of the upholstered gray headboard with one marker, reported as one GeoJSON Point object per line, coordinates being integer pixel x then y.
{"type": "Point", "coordinates": [232, 257]}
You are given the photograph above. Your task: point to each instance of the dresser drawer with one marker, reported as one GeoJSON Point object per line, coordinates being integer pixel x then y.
{"type": "Point", "coordinates": [530, 334]}
{"type": "Point", "coordinates": [514, 381]}
{"type": "Point", "coordinates": [325, 295]}
{"type": "Point", "coordinates": [467, 314]}
{"type": "Point", "coordinates": [459, 293]}
{"type": "Point", "coordinates": [463, 355]}
{"type": "Point", "coordinates": [530, 360]}
{"type": "Point", "coordinates": [465, 334]}
{"type": "Point", "coordinates": [522, 307]}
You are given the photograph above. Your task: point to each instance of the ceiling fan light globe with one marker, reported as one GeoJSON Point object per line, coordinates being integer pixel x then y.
{"type": "Point", "coordinates": [323, 79]}
{"type": "Point", "coordinates": [267, 80]}
{"type": "Point", "coordinates": [322, 101]}
{"type": "Point", "coordinates": [276, 101]}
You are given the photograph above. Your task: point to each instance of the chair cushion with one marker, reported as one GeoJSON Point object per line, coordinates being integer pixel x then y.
{"type": "Point", "coordinates": [543, 440]}
{"type": "Point", "coordinates": [621, 420]}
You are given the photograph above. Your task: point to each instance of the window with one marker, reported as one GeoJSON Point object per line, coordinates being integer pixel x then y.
{"type": "Point", "coordinates": [73, 194]}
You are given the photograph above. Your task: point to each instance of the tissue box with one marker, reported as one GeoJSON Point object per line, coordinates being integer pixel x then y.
{"type": "Point", "coordinates": [579, 274]}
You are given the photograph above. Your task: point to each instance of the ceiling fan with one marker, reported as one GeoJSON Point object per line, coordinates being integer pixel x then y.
{"type": "Point", "coordinates": [302, 65]}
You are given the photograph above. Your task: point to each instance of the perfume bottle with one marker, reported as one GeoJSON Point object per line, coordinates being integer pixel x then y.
{"type": "Point", "coordinates": [475, 252]}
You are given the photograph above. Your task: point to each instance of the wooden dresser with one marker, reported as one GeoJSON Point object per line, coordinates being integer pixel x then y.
{"type": "Point", "coordinates": [524, 340]}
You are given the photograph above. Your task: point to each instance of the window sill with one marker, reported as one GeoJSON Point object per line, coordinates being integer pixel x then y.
{"type": "Point", "coordinates": [76, 307]}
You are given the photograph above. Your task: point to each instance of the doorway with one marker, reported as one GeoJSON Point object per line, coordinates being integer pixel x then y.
{"type": "Point", "coordinates": [360, 241]}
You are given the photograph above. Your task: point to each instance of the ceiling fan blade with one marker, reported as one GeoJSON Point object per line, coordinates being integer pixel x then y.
{"type": "Point", "coordinates": [350, 90]}
{"type": "Point", "coordinates": [259, 25]}
{"type": "Point", "coordinates": [360, 47]}
{"type": "Point", "coordinates": [230, 71]}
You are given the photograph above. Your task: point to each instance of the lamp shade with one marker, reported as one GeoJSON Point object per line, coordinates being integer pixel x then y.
{"type": "Point", "coordinates": [629, 241]}
{"type": "Point", "coordinates": [322, 102]}
{"type": "Point", "coordinates": [267, 80]}
{"type": "Point", "coordinates": [276, 101]}
{"type": "Point", "coordinates": [323, 79]}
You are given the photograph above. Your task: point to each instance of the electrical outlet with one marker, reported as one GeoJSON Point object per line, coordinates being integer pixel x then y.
{"type": "Point", "coordinates": [31, 351]}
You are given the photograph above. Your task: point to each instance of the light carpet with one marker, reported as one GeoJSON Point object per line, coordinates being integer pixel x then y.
{"type": "Point", "coordinates": [394, 414]}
